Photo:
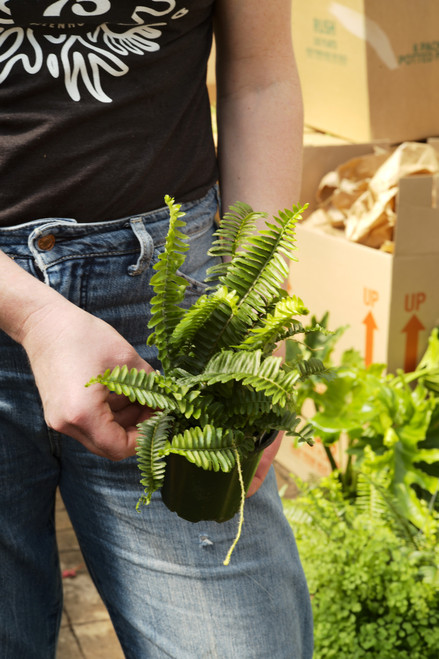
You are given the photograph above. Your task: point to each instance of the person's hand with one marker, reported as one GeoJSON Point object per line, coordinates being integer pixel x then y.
{"type": "Point", "coordinates": [266, 461]}
{"type": "Point", "coordinates": [66, 348]}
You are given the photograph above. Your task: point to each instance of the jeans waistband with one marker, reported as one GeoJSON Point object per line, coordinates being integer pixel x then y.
{"type": "Point", "coordinates": [50, 240]}
{"type": "Point", "coordinates": [153, 220]}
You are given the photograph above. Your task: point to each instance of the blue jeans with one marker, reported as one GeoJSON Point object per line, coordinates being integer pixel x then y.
{"type": "Point", "coordinates": [161, 578]}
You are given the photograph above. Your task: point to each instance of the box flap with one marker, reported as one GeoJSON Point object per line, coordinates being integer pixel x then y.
{"type": "Point", "coordinates": [417, 224]}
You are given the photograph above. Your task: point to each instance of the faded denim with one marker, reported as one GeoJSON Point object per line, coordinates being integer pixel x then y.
{"type": "Point", "coordinates": [162, 578]}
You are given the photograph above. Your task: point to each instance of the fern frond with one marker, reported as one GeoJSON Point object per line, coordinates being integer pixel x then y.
{"type": "Point", "coordinates": [151, 389]}
{"type": "Point", "coordinates": [260, 374]}
{"type": "Point", "coordinates": [256, 275]}
{"type": "Point", "coordinates": [369, 500]}
{"type": "Point", "coordinates": [206, 338]}
{"type": "Point", "coordinates": [282, 418]}
{"type": "Point", "coordinates": [246, 405]}
{"type": "Point", "coordinates": [181, 341]}
{"type": "Point", "coordinates": [308, 367]}
{"type": "Point", "coordinates": [276, 325]}
{"type": "Point", "coordinates": [237, 225]}
{"type": "Point", "coordinates": [191, 405]}
{"type": "Point", "coordinates": [375, 499]}
{"type": "Point", "coordinates": [169, 287]}
{"type": "Point", "coordinates": [241, 407]}
{"type": "Point", "coordinates": [261, 268]}
{"type": "Point", "coordinates": [151, 447]}
{"type": "Point", "coordinates": [305, 434]}
{"type": "Point", "coordinates": [211, 448]}
{"type": "Point", "coordinates": [212, 410]}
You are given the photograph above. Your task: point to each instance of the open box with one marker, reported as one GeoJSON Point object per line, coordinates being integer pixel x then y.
{"type": "Point", "coordinates": [390, 302]}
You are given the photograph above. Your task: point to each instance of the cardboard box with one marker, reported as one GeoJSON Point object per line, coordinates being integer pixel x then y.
{"type": "Point", "coordinates": [369, 68]}
{"type": "Point", "coordinates": [390, 302]}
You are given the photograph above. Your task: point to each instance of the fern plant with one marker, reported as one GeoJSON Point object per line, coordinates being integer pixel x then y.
{"type": "Point", "coordinates": [221, 388]}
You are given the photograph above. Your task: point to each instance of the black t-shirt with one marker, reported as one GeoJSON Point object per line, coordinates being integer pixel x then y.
{"type": "Point", "coordinates": [103, 107]}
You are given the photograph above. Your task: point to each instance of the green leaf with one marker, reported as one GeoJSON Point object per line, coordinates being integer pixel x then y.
{"type": "Point", "coordinates": [256, 274]}
{"type": "Point", "coordinates": [151, 389]}
{"type": "Point", "coordinates": [348, 402]}
{"type": "Point", "coordinates": [182, 344]}
{"type": "Point", "coordinates": [429, 364]}
{"type": "Point", "coordinates": [169, 287]}
{"type": "Point", "coordinates": [260, 375]}
{"type": "Point", "coordinates": [151, 447]}
{"type": "Point", "coordinates": [276, 325]}
{"type": "Point", "coordinates": [211, 448]}
{"type": "Point", "coordinates": [237, 225]}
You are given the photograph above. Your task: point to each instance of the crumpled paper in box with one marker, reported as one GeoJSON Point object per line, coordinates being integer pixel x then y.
{"type": "Point", "coordinates": [359, 197]}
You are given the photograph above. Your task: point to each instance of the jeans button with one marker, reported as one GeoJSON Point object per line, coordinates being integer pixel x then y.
{"type": "Point", "coordinates": [46, 242]}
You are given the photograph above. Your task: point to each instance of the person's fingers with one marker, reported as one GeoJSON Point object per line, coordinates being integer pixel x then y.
{"type": "Point", "coordinates": [131, 415]}
{"type": "Point", "coordinates": [110, 441]}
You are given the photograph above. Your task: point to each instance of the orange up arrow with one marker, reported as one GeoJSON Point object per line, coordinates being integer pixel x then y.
{"type": "Point", "coordinates": [412, 329]}
{"type": "Point", "coordinates": [371, 326]}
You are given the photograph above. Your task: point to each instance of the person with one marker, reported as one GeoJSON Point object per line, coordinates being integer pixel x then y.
{"type": "Point", "coordinates": [103, 111]}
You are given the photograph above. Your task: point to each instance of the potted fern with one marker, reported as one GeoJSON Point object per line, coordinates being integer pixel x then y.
{"type": "Point", "coordinates": [222, 396]}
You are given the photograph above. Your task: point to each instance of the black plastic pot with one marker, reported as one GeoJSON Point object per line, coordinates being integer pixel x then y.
{"type": "Point", "coordinates": [199, 495]}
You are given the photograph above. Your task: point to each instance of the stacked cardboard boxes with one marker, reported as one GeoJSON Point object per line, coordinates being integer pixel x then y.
{"type": "Point", "coordinates": [369, 72]}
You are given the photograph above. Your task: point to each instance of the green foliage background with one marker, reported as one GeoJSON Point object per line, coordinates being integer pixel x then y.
{"type": "Point", "coordinates": [374, 584]}
{"type": "Point", "coordinates": [368, 535]}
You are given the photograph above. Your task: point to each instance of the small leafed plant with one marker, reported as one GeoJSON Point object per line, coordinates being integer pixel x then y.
{"type": "Point", "coordinates": [373, 577]}
{"type": "Point", "coordinates": [222, 389]}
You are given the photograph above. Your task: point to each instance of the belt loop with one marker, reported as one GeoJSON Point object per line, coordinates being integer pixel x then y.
{"type": "Point", "coordinates": [39, 261]}
{"type": "Point", "coordinates": [44, 230]}
{"type": "Point", "coordinates": [146, 247]}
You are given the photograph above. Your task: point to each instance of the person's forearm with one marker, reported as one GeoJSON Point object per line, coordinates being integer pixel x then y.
{"type": "Point", "coordinates": [260, 118]}
{"type": "Point", "coordinates": [21, 297]}
{"type": "Point", "coordinates": [260, 146]}
{"type": "Point", "coordinates": [259, 105]}
{"type": "Point", "coordinates": [67, 346]}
